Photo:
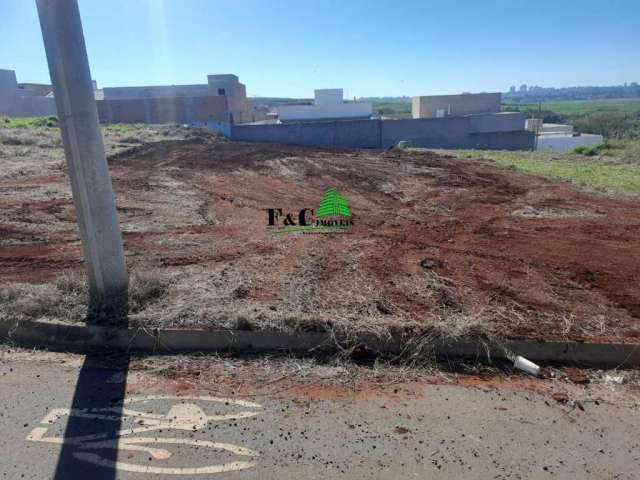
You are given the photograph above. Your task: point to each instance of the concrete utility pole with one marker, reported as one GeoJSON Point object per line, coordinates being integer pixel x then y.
{"type": "Point", "coordinates": [84, 151]}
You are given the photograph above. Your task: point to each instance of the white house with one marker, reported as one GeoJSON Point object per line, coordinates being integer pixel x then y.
{"type": "Point", "coordinates": [328, 105]}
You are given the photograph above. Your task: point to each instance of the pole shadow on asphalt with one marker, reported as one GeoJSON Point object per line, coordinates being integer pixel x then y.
{"type": "Point", "coordinates": [74, 95]}
{"type": "Point", "coordinates": [101, 384]}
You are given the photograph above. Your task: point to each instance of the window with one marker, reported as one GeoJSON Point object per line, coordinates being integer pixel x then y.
{"type": "Point", "coordinates": [221, 91]}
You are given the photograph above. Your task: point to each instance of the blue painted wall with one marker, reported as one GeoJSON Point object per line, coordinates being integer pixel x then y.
{"type": "Point", "coordinates": [223, 128]}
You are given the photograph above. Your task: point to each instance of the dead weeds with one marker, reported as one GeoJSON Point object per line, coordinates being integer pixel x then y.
{"type": "Point", "coordinates": [67, 299]}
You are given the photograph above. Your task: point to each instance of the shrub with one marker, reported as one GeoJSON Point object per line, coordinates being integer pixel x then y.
{"type": "Point", "coordinates": [610, 124]}
{"type": "Point", "coordinates": [72, 283]}
{"type": "Point", "coordinates": [16, 140]}
{"type": "Point", "coordinates": [593, 150]}
{"type": "Point", "coordinates": [50, 122]}
{"type": "Point", "coordinates": [145, 288]}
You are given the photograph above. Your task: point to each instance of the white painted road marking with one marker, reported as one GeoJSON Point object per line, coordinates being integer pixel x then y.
{"type": "Point", "coordinates": [184, 415]}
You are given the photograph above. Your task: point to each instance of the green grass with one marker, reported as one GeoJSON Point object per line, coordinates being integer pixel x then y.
{"type": "Point", "coordinates": [582, 107]}
{"type": "Point", "coordinates": [617, 172]}
{"type": "Point", "coordinates": [29, 122]}
{"type": "Point", "coordinates": [628, 151]}
{"type": "Point", "coordinates": [51, 122]}
{"type": "Point", "coordinates": [600, 176]}
{"type": "Point", "coordinates": [592, 150]}
{"type": "Point", "coordinates": [391, 107]}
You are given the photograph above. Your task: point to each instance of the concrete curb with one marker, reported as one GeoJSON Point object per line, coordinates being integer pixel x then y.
{"type": "Point", "coordinates": [83, 338]}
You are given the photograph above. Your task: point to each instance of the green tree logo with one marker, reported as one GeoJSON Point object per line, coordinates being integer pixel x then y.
{"type": "Point", "coordinates": [333, 205]}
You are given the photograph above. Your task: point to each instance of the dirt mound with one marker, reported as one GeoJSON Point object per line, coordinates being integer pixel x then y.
{"type": "Point", "coordinates": [460, 244]}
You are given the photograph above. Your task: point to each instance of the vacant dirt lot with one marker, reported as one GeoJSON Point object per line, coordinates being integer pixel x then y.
{"type": "Point", "coordinates": [459, 244]}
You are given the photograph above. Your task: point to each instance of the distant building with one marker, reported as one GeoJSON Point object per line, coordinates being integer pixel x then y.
{"type": "Point", "coordinates": [24, 99]}
{"type": "Point", "coordinates": [438, 106]}
{"type": "Point", "coordinates": [554, 137]}
{"type": "Point", "coordinates": [523, 88]}
{"type": "Point", "coordinates": [35, 90]}
{"type": "Point", "coordinates": [328, 104]}
{"type": "Point", "coordinates": [222, 98]}
{"type": "Point", "coordinates": [512, 89]}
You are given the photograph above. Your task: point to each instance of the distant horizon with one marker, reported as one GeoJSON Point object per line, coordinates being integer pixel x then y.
{"type": "Point", "coordinates": [99, 87]}
{"type": "Point", "coordinates": [249, 94]}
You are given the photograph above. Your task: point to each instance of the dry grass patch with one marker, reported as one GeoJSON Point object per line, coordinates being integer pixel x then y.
{"type": "Point", "coordinates": [67, 298]}
{"type": "Point", "coordinates": [145, 288]}
{"type": "Point", "coordinates": [22, 301]}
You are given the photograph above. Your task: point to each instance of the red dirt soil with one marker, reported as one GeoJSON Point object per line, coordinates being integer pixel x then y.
{"type": "Point", "coordinates": [535, 257]}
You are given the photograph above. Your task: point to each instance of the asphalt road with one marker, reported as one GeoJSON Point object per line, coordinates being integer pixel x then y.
{"type": "Point", "coordinates": [425, 431]}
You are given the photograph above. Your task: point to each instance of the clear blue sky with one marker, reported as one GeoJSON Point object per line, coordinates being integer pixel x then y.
{"type": "Point", "coordinates": [368, 47]}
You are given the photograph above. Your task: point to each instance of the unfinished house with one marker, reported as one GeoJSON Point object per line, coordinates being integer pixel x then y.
{"type": "Point", "coordinates": [24, 99]}
{"type": "Point", "coordinates": [223, 98]}
{"type": "Point", "coordinates": [439, 106]}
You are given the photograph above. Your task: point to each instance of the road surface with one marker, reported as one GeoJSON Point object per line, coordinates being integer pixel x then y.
{"type": "Point", "coordinates": [60, 419]}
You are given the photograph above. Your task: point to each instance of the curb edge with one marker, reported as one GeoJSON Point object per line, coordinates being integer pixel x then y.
{"type": "Point", "coordinates": [83, 338]}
